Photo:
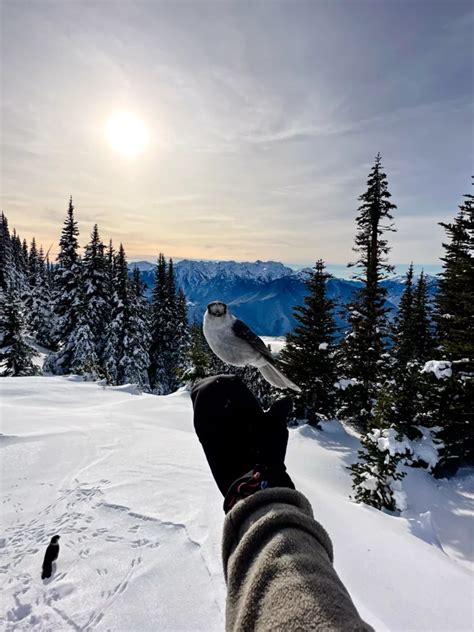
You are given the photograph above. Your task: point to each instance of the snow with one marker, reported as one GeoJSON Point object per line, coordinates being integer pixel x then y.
{"type": "Point", "coordinates": [427, 447]}
{"type": "Point", "coordinates": [276, 343]}
{"type": "Point", "coordinates": [123, 480]}
{"type": "Point", "coordinates": [344, 383]}
{"type": "Point", "coordinates": [387, 441]}
{"type": "Point", "coordinates": [441, 368]}
{"type": "Point", "coordinates": [323, 346]}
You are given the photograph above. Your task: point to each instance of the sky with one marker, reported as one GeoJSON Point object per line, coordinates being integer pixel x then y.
{"type": "Point", "coordinates": [263, 118]}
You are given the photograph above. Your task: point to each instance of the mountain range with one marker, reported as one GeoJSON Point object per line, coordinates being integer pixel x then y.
{"type": "Point", "coordinates": [262, 293]}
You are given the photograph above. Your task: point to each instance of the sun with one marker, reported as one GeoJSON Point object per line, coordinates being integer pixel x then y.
{"type": "Point", "coordinates": [127, 134]}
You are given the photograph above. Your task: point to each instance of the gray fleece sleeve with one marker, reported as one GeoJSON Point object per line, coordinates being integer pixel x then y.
{"type": "Point", "coordinates": [278, 564]}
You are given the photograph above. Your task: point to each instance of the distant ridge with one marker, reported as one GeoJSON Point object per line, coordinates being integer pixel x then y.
{"type": "Point", "coordinates": [263, 293]}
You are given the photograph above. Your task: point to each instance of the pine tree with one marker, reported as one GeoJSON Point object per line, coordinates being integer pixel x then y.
{"type": "Point", "coordinates": [6, 256]}
{"type": "Point", "coordinates": [455, 297]}
{"type": "Point", "coordinates": [404, 335]}
{"type": "Point", "coordinates": [376, 477]}
{"type": "Point", "coordinates": [309, 352]}
{"type": "Point", "coordinates": [81, 343]}
{"type": "Point", "coordinates": [94, 272]}
{"type": "Point", "coordinates": [41, 317]}
{"type": "Point", "coordinates": [67, 301]}
{"type": "Point", "coordinates": [116, 330]}
{"type": "Point", "coordinates": [19, 266]}
{"type": "Point", "coordinates": [199, 356]}
{"type": "Point", "coordinates": [423, 342]}
{"type": "Point", "coordinates": [446, 401]}
{"type": "Point", "coordinates": [16, 354]}
{"type": "Point", "coordinates": [182, 337]}
{"type": "Point", "coordinates": [445, 404]}
{"type": "Point", "coordinates": [403, 388]}
{"type": "Point", "coordinates": [135, 360]}
{"type": "Point", "coordinates": [159, 328]}
{"type": "Point", "coordinates": [363, 350]}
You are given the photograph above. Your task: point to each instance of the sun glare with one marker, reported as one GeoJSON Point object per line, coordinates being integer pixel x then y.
{"type": "Point", "coordinates": [127, 134]}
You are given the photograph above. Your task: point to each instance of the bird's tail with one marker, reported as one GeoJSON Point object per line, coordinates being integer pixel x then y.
{"type": "Point", "coordinates": [47, 570]}
{"type": "Point", "coordinates": [276, 377]}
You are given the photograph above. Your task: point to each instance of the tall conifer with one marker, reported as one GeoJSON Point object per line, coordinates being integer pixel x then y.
{"type": "Point", "coordinates": [364, 347]}
{"type": "Point", "coordinates": [309, 351]}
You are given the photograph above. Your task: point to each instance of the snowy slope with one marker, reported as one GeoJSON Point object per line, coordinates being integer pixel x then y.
{"type": "Point", "coordinates": [121, 477]}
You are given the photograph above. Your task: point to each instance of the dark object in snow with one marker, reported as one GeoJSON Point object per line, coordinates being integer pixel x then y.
{"type": "Point", "coordinates": [245, 446]}
{"type": "Point", "coordinates": [235, 343]}
{"type": "Point", "coordinates": [50, 556]}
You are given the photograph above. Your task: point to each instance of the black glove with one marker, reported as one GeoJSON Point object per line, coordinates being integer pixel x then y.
{"type": "Point", "coordinates": [244, 446]}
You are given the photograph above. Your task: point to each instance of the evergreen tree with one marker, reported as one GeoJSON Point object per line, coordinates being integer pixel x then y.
{"type": "Point", "coordinates": [33, 263]}
{"type": "Point", "coordinates": [41, 317]}
{"type": "Point", "coordinates": [199, 356]}
{"type": "Point", "coordinates": [455, 297]}
{"type": "Point", "coordinates": [81, 343]}
{"type": "Point", "coordinates": [67, 301]}
{"type": "Point", "coordinates": [376, 476]}
{"type": "Point", "coordinates": [19, 266]}
{"type": "Point", "coordinates": [447, 399]}
{"type": "Point", "coordinates": [309, 352]}
{"type": "Point", "coordinates": [94, 272]}
{"type": "Point", "coordinates": [404, 385]}
{"type": "Point", "coordinates": [160, 315]}
{"type": "Point", "coordinates": [182, 335]}
{"type": "Point", "coordinates": [6, 257]}
{"type": "Point", "coordinates": [363, 349]}
{"type": "Point", "coordinates": [423, 343]}
{"type": "Point", "coordinates": [135, 359]}
{"type": "Point", "coordinates": [116, 330]}
{"type": "Point", "coordinates": [16, 354]}
{"type": "Point", "coordinates": [445, 404]}
{"type": "Point", "coordinates": [404, 336]}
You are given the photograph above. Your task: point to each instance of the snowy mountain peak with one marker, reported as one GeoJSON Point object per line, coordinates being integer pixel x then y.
{"type": "Point", "coordinates": [143, 266]}
{"type": "Point", "coordinates": [258, 270]}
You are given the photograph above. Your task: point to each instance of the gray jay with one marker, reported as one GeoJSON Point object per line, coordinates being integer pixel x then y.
{"type": "Point", "coordinates": [235, 343]}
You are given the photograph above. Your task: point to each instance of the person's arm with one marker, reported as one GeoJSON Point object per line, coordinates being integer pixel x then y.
{"type": "Point", "coordinates": [278, 564]}
{"type": "Point", "coordinates": [277, 558]}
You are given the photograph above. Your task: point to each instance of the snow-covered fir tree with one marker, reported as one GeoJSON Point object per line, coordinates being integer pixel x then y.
{"type": "Point", "coordinates": [95, 283]}
{"type": "Point", "coordinates": [67, 299]}
{"type": "Point", "coordinates": [182, 338]}
{"type": "Point", "coordinates": [404, 334]}
{"type": "Point", "coordinates": [40, 304]}
{"type": "Point", "coordinates": [116, 329]}
{"type": "Point", "coordinates": [16, 353]}
{"type": "Point", "coordinates": [423, 321]}
{"type": "Point", "coordinates": [309, 352]}
{"type": "Point", "coordinates": [363, 350]}
{"type": "Point", "coordinates": [135, 359]}
{"type": "Point", "coordinates": [82, 344]}
{"type": "Point", "coordinates": [449, 389]}
{"type": "Point", "coordinates": [19, 266]}
{"type": "Point", "coordinates": [412, 342]}
{"type": "Point", "coordinates": [376, 477]}
{"type": "Point", "coordinates": [169, 331]}
{"type": "Point", "coordinates": [6, 256]}
{"type": "Point", "coordinates": [199, 359]}
{"type": "Point", "coordinates": [455, 297]}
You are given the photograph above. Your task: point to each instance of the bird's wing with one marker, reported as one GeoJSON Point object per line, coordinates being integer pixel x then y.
{"type": "Point", "coordinates": [243, 331]}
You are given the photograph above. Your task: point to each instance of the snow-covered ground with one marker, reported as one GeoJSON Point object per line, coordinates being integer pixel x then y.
{"type": "Point", "coordinates": [122, 479]}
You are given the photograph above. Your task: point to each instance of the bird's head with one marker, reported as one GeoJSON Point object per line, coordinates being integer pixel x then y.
{"type": "Point", "coordinates": [217, 309]}
{"type": "Point", "coordinates": [54, 539]}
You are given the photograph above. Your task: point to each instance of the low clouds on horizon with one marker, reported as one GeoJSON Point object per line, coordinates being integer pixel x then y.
{"type": "Point", "coordinates": [264, 118]}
